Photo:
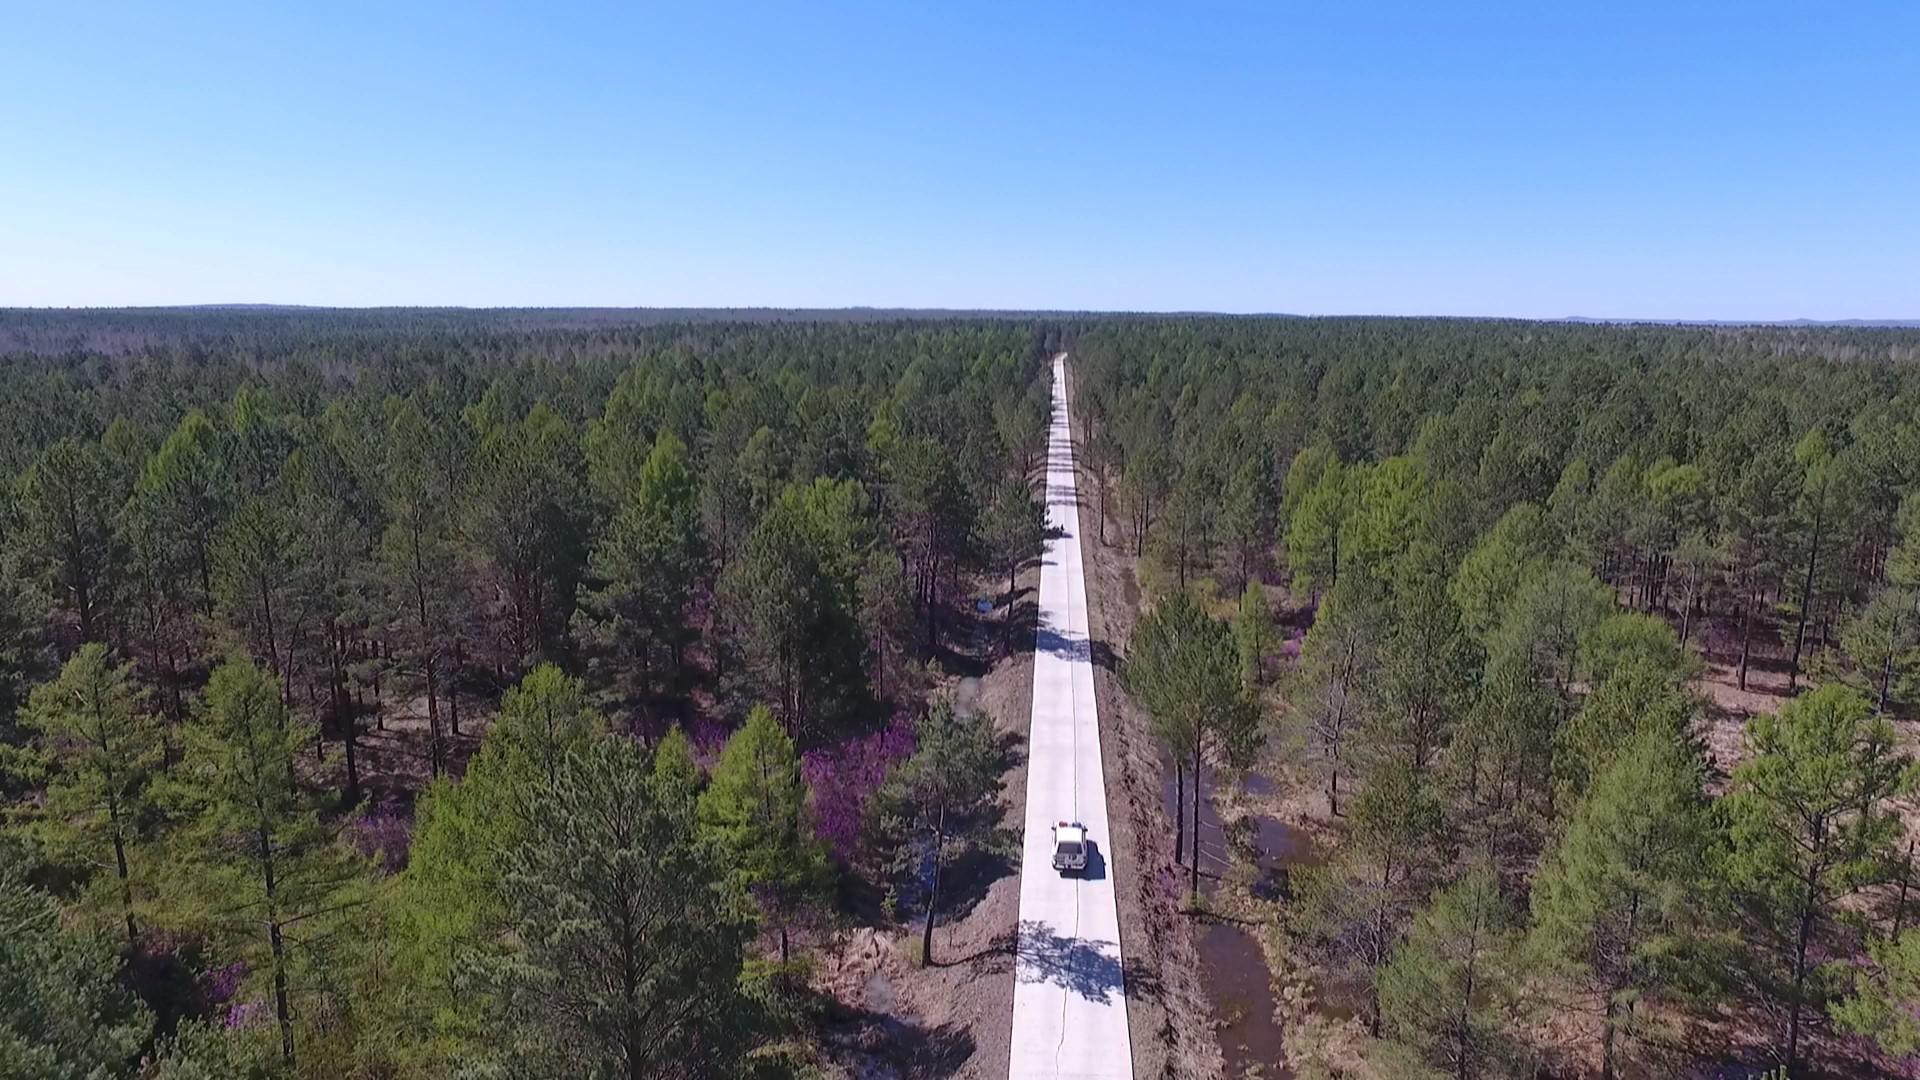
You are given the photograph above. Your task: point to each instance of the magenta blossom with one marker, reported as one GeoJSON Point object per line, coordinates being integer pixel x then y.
{"type": "Point", "coordinates": [843, 777]}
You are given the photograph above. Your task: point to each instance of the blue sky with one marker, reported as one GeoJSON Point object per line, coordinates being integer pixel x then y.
{"type": "Point", "coordinates": [1668, 160]}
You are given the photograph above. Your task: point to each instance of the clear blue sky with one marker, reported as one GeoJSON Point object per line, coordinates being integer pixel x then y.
{"type": "Point", "coordinates": [1668, 160]}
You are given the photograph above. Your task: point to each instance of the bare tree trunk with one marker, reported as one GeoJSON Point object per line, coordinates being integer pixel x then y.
{"type": "Point", "coordinates": [1179, 809]}
{"type": "Point", "coordinates": [1746, 633]}
{"type": "Point", "coordinates": [1806, 597]}
{"type": "Point", "coordinates": [1197, 796]}
{"type": "Point", "coordinates": [933, 892]}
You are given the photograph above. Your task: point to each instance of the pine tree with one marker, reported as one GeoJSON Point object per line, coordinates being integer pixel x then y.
{"type": "Point", "coordinates": [941, 795]}
{"type": "Point", "coordinates": [1755, 517]}
{"type": "Point", "coordinates": [1641, 697]}
{"type": "Point", "coordinates": [1391, 512]}
{"type": "Point", "coordinates": [63, 1014]}
{"type": "Point", "coordinates": [1811, 825]}
{"type": "Point", "coordinates": [1626, 638]}
{"type": "Point", "coordinates": [418, 555]}
{"type": "Point", "coordinates": [645, 567]}
{"type": "Point", "coordinates": [1549, 615]}
{"type": "Point", "coordinates": [451, 910]}
{"type": "Point", "coordinates": [107, 749]}
{"type": "Point", "coordinates": [1247, 516]}
{"type": "Point", "coordinates": [1182, 665]}
{"type": "Point", "coordinates": [1885, 1004]}
{"type": "Point", "coordinates": [1501, 755]}
{"type": "Point", "coordinates": [1427, 666]}
{"type": "Point", "coordinates": [1253, 636]}
{"type": "Point", "coordinates": [1016, 532]}
{"type": "Point", "coordinates": [69, 502]}
{"type": "Point", "coordinates": [794, 601]}
{"type": "Point", "coordinates": [1881, 644]}
{"type": "Point", "coordinates": [527, 523]}
{"type": "Point", "coordinates": [756, 811]}
{"type": "Point", "coordinates": [1355, 909]}
{"type": "Point", "coordinates": [1316, 523]}
{"type": "Point", "coordinates": [1444, 992]}
{"type": "Point", "coordinates": [624, 955]}
{"type": "Point", "coordinates": [277, 877]}
{"type": "Point", "coordinates": [1511, 553]}
{"type": "Point", "coordinates": [1621, 894]}
{"type": "Point", "coordinates": [1329, 689]}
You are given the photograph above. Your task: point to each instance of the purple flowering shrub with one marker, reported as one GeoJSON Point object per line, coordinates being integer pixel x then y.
{"type": "Point", "coordinates": [243, 1014]}
{"type": "Point", "coordinates": [707, 738]}
{"type": "Point", "coordinates": [383, 833]}
{"type": "Point", "coordinates": [1290, 648]}
{"type": "Point", "coordinates": [223, 982]}
{"type": "Point", "coordinates": [842, 778]}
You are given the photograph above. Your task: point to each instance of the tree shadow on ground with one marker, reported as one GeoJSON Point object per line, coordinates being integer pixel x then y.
{"type": "Point", "coordinates": [992, 958]}
{"type": "Point", "coordinates": [1080, 967]}
{"type": "Point", "coordinates": [911, 1050]}
{"type": "Point", "coordinates": [971, 874]}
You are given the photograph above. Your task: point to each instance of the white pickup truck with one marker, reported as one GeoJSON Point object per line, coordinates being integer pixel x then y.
{"type": "Point", "coordinates": [1069, 846]}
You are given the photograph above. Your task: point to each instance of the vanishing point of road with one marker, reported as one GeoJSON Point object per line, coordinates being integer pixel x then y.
{"type": "Point", "coordinates": [1069, 998]}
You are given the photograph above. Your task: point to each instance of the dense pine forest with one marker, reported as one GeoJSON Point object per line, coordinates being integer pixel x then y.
{"type": "Point", "coordinates": [269, 576]}
{"type": "Point", "coordinates": [537, 694]}
{"type": "Point", "coordinates": [1587, 656]}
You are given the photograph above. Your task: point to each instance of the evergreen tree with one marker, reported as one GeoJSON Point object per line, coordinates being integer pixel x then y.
{"type": "Point", "coordinates": [645, 568]}
{"type": "Point", "coordinates": [1811, 825]}
{"type": "Point", "coordinates": [1391, 512]}
{"type": "Point", "coordinates": [943, 794]}
{"type": "Point", "coordinates": [1317, 521]}
{"type": "Point", "coordinates": [63, 1014]}
{"type": "Point", "coordinates": [1329, 689]}
{"type": "Point", "coordinates": [106, 747]}
{"type": "Point", "coordinates": [1755, 516]}
{"type": "Point", "coordinates": [1355, 909]}
{"type": "Point", "coordinates": [280, 881]}
{"type": "Point", "coordinates": [69, 501]}
{"type": "Point", "coordinates": [186, 493]}
{"type": "Point", "coordinates": [1016, 532]}
{"type": "Point", "coordinates": [526, 520]}
{"type": "Point", "coordinates": [796, 605]}
{"type": "Point", "coordinates": [1511, 553]}
{"type": "Point", "coordinates": [1247, 517]}
{"type": "Point", "coordinates": [755, 809]}
{"type": "Point", "coordinates": [1427, 665]}
{"type": "Point", "coordinates": [1627, 638]}
{"type": "Point", "coordinates": [1881, 645]}
{"type": "Point", "coordinates": [1501, 755]}
{"type": "Point", "coordinates": [1641, 697]}
{"type": "Point", "coordinates": [1543, 627]}
{"type": "Point", "coordinates": [1253, 636]}
{"type": "Point", "coordinates": [1885, 1003]}
{"type": "Point", "coordinates": [1622, 893]}
{"type": "Point", "coordinates": [1446, 990]}
{"type": "Point", "coordinates": [625, 959]}
{"type": "Point", "coordinates": [1182, 665]}
{"type": "Point", "coordinates": [418, 555]}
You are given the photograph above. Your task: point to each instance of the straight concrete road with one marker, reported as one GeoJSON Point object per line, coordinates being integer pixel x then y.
{"type": "Point", "coordinates": [1069, 1000]}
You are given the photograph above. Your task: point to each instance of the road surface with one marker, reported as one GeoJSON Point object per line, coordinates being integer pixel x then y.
{"type": "Point", "coordinates": [1069, 1000]}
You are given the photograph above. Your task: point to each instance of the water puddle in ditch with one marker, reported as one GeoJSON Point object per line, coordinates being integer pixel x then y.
{"type": "Point", "coordinates": [1238, 984]}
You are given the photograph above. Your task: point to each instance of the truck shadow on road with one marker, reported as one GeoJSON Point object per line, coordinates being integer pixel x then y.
{"type": "Point", "coordinates": [1080, 967]}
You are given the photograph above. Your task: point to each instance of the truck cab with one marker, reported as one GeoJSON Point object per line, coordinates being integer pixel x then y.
{"type": "Point", "coordinates": [1069, 847]}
